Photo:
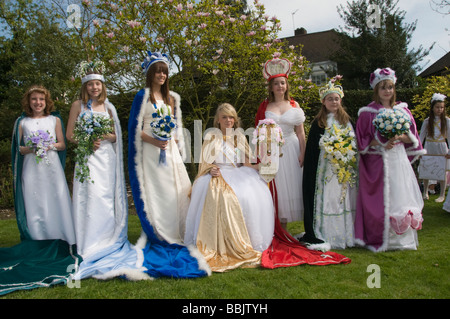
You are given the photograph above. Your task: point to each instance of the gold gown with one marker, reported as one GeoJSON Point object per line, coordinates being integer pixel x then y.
{"type": "Point", "coordinates": [230, 230]}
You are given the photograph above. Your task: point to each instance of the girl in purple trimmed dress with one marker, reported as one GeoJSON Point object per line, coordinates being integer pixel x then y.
{"type": "Point", "coordinates": [389, 204]}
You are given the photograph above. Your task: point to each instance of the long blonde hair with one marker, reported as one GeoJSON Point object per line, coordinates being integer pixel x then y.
{"type": "Point", "coordinates": [84, 95]}
{"type": "Point", "coordinates": [228, 110]}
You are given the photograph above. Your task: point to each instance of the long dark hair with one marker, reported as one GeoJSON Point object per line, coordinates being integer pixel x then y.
{"type": "Point", "coordinates": [431, 117]}
{"type": "Point", "coordinates": [156, 68]}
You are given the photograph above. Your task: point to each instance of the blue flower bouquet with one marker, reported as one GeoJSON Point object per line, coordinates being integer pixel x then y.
{"type": "Point", "coordinates": [163, 126]}
{"type": "Point", "coordinates": [89, 127]}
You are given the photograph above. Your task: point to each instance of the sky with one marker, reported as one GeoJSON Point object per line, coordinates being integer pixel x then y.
{"type": "Point", "coordinates": [322, 15]}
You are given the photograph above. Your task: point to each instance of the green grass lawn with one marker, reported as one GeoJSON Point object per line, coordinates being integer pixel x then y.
{"type": "Point", "coordinates": [421, 274]}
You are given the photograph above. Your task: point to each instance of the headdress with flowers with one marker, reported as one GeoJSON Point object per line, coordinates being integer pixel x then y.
{"type": "Point", "coordinates": [330, 88]}
{"type": "Point", "coordinates": [91, 70]}
{"type": "Point", "coordinates": [275, 68]}
{"type": "Point", "coordinates": [380, 75]}
{"type": "Point", "coordinates": [152, 58]}
{"type": "Point", "coordinates": [438, 97]}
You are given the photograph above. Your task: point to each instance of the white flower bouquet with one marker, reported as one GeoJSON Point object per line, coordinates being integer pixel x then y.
{"type": "Point", "coordinates": [89, 127]}
{"type": "Point", "coordinates": [391, 122]}
{"type": "Point", "coordinates": [40, 141]}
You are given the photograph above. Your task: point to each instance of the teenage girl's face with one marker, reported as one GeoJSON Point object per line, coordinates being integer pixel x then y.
{"type": "Point", "coordinates": [159, 78]}
{"type": "Point", "coordinates": [438, 109]}
{"type": "Point", "coordinates": [279, 86]}
{"type": "Point", "coordinates": [332, 102]}
{"type": "Point", "coordinates": [386, 92]}
{"type": "Point", "coordinates": [225, 122]}
{"type": "Point", "coordinates": [94, 88]}
{"type": "Point", "coordinates": [37, 103]}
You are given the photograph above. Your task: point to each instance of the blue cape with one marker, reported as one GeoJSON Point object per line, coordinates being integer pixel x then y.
{"type": "Point", "coordinates": [162, 259]}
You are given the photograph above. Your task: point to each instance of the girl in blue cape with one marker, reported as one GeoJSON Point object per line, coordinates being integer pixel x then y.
{"type": "Point", "coordinates": [158, 178]}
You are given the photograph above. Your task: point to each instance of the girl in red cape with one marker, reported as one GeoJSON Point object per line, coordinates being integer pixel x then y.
{"type": "Point", "coordinates": [285, 250]}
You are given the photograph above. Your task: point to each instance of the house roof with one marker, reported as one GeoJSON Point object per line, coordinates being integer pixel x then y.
{"type": "Point", "coordinates": [438, 67]}
{"type": "Point", "coordinates": [317, 46]}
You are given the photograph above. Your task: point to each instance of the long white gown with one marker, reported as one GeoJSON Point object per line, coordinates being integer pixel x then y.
{"type": "Point", "coordinates": [46, 195]}
{"type": "Point", "coordinates": [94, 202]}
{"type": "Point", "coordinates": [289, 176]}
{"type": "Point", "coordinates": [101, 215]}
{"type": "Point", "coordinates": [169, 182]}
{"type": "Point", "coordinates": [333, 218]}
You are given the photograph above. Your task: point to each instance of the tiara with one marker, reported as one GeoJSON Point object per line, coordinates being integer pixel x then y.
{"type": "Point", "coordinates": [438, 97]}
{"type": "Point", "coordinates": [153, 58]}
{"type": "Point", "coordinates": [91, 70]}
{"type": "Point", "coordinates": [330, 88]}
{"type": "Point", "coordinates": [275, 68]}
{"type": "Point", "coordinates": [382, 74]}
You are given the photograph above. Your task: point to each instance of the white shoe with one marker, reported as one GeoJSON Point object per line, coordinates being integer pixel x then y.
{"type": "Point", "coordinates": [440, 199]}
{"type": "Point", "coordinates": [425, 196]}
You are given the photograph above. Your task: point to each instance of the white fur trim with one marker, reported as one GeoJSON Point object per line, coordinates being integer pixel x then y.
{"type": "Point", "coordinates": [367, 109]}
{"type": "Point", "coordinates": [202, 264]}
{"type": "Point", "coordinates": [324, 247]}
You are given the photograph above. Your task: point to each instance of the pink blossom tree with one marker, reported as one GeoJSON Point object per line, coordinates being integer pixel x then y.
{"type": "Point", "coordinates": [217, 50]}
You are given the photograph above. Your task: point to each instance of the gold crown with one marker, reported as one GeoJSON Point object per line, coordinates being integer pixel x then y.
{"type": "Point", "coordinates": [331, 88]}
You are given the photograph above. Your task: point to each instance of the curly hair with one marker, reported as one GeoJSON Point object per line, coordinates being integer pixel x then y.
{"type": "Point", "coordinates": [37, 89]}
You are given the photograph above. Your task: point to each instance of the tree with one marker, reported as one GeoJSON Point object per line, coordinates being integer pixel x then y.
{"type": "Point", "coordinates": [434, 84]}
{"type": "Point", "coordinates": [376, 36]}
{"type": "Point", "coordinates": [217, 50]}
{"type": "Point", "coordinates": [33, 50]}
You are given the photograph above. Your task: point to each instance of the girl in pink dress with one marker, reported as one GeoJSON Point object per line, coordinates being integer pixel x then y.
{"type": "Point", "coordinates": [389, 204]}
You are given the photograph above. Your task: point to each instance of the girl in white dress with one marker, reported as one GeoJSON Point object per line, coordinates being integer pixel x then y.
{"type": "Point", "coordinates": [100, 203]}
{"type": "Point", "coordinates": [290, 117]}
{"type": "Point", "coordinates": [45, 192]}
{"type": "Point", "coordinates": [41, 200]}
{"type": "Point", "coordinates": [329, 202]}
{"type": "Point", "coordinates": [435, 136]}
{"type": "Point", "coordinates": [231, 214]}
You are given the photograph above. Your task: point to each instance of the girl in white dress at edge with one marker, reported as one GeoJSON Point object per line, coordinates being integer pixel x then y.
{"type": "Point", "coordinates": [435, 136]}
{"type": "Point", "coordinates": [46, 194]}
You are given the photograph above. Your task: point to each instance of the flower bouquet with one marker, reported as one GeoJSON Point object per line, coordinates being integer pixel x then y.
{"type": "Point", "coordinates": [391, 123]}
{"type": "Point", "coordinates": [162, 126]}
{"type": "Point", "coordinates": [40, 140]}
{"type": "Point", "coordinates": [89, 127]}
{"type": "Point", "coordinates": [268, 138]}
{"type": "Point", "coordinates": [339, 148]}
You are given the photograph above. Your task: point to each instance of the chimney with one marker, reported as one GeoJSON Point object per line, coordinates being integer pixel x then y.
{"type": "Point", "coordinates": [300, 31]}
